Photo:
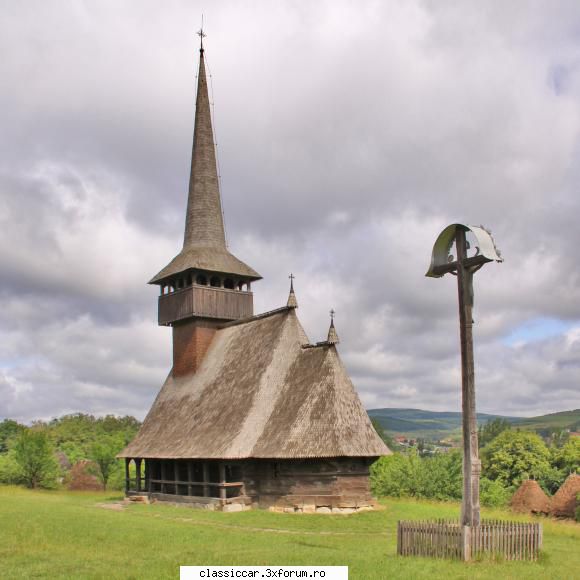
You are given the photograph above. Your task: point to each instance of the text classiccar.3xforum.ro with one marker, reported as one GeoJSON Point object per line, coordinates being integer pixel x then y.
{"type": "Point", "coordinates": [208, 572]}
{"type": "Point", "coordinates": [267, 573]}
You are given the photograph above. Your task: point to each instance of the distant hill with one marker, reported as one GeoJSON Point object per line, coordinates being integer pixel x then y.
{"type": "Point", "coordinates": [418, 423]}
{"type": "Point", "coordinates": [548, 423]}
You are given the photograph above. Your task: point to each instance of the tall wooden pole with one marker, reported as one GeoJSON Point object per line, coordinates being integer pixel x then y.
{"type": "Point", "coordinates": [471, 464]}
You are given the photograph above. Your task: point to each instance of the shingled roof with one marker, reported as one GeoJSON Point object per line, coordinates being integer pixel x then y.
{"type": "Point", "coordinates": [260, 394]}
{"type": "Point", "coordinates": [204, 243]}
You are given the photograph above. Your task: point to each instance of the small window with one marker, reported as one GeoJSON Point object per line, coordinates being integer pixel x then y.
{"type": "Point", "coordinates": [229, 284]}
{"type": "Point", "coordinates": [215, 281]}
{"type": "Point", "coordinates": [201, 280]}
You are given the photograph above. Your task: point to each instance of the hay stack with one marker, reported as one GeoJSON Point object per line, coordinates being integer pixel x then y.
{"type": "Point", "coordinates": [530, 499]}
{"type": "Point", "coordinates": [564, 502]}
{"type": "Point", "coordinates": [80, 478]}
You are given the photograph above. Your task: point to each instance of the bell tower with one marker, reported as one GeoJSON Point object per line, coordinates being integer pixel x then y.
{"type": "Point", "coordinates": [204, 285]}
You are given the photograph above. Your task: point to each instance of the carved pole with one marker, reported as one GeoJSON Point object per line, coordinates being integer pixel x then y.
{"type": "Point", "coordinates": [471, 464]}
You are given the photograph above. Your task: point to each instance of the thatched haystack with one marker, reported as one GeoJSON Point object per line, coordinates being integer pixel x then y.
{"type": "Point", "coordinates": [564, 502]}
{"type": "Point", "coordinates": [530, 499]}
{"type": "Point", "coordinates": [80, 478]}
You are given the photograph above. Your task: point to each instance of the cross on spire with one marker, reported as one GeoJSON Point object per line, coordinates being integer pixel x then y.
{"type": "Point", "coordinates": [292, 302]}
{"type": "Point", "coordinates": [332, 313]}
{"type": "Point", "coordinates": [201, 35]}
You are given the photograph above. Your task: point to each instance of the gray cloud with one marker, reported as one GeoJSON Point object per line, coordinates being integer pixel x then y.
{"type": "Point", "coordinates": [348, 137]}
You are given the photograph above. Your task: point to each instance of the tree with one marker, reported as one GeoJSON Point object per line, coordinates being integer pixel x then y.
{"type": "Point", "coordinates": [489, 431]}
{"type": "Point", "coordinates": [517, 455]}
{"type": "Point", "coordinates": [104, 453]}
{"type": "Point", "coordinates": [34, 455]}
{"type": "Point", "coordinates": [9, 429]}
{"type": "Point", "coordinates": [10, 471]}
{"type": "Point", "coordinates": [568, 457]}
{"type": "Point", "coordinates": [559, 437]}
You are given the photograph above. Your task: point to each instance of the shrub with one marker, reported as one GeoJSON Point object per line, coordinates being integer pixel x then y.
{"type": "Point", "coordinates": [396, 475]}
{"type": "Point", "coordinates": [407, 475]}
{"type": "Point", "coordinates": [10, 472]}
{"type": "Point", "coordinates": [493, 493]}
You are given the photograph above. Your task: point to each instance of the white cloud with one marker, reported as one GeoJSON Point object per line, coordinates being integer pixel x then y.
{"type": "Point", "coordinates": [348, 135]}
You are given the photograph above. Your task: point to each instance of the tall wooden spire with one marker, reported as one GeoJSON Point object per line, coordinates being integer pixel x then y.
{"type": "Point", "coordinates": [204, 242]}
{"type": "Point", "coordinates": [204, 225]}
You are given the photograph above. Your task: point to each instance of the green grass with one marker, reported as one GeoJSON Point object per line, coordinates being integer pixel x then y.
{"type": "Point", "coordinates": [66, 535]}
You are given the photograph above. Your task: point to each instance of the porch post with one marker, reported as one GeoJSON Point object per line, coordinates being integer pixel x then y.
{"type": "Point", "coordinates": [205, 479]}
{"type": "Point", "coordinates": [222, 469]}
{"type": "Point", "coordinates": [176, 476]}
{"type": "Point", "coordinates": [189, 476]}
{"type": "Point", "coordinates": [138, 474]}
{"type": "Point", "coordinates": [127, 481]}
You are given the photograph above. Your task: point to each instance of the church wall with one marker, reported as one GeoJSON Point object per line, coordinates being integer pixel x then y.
{"type": "Point", "coordinates": [339, 484]}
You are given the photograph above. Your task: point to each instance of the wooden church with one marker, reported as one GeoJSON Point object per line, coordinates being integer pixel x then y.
{"type": "Point", "coordinates": [251, 414]}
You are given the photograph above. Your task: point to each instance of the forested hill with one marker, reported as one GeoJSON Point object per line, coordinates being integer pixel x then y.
{"type": "Point", "coordinates": [437, 425]}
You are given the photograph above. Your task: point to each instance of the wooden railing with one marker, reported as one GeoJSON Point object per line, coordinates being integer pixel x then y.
{"type": "Point", "coordinates": [448, 539]}
{"type": "Point", "coordinates": [138, 485]}
{"type": "Point", "coordinates": [205, 301]}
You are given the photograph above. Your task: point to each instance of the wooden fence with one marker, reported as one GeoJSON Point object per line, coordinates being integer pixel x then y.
{"type": "Point", "coordinates": [448, 539]}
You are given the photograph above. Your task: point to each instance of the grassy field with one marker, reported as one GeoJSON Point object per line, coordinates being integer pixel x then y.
{"type": "Point", "coordinates": [72, 535]}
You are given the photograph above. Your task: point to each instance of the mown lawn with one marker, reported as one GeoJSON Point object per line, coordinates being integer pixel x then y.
{"type": "Point", "coordinates": [68, 535]}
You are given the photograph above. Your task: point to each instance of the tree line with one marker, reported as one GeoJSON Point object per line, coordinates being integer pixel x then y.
{"type": "Point", "coordinates": [508, 457]}
{"type": "Point", "coordinates": [40, 455]}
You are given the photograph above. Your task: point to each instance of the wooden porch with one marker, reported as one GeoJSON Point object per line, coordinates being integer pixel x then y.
{"type": "Point", "coordinates": [178, 479]}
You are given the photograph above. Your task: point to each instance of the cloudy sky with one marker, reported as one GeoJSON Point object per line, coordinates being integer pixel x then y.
{"type": "Point", "coordinates": [349, 135]}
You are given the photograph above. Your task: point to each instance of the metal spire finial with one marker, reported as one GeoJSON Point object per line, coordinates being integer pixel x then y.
{"type": "Point", "coordinates": [201, 35]}
{"type": "Point", "coordinates": [292, 302]}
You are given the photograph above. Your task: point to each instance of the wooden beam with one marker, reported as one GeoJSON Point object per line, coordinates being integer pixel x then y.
{"type": "Point", "coordinates": [176, 475]}
{"type": "Point", "coordinates": [467, 263]}
{"type": "Point", "coordinates": [127, 480]}
{"type": "Point", "coordinates": [138, 474]}
{"type": "Point", "coordinates": [205, 468]}
{"type": "Point", "coordinates": [189, 477]}
{"type": "Point", "coordinates": [200, 483]}
{"type": "Point", "coordinates": [222, 471]}
{"type": "Point", "coordinates": [471, 464]}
